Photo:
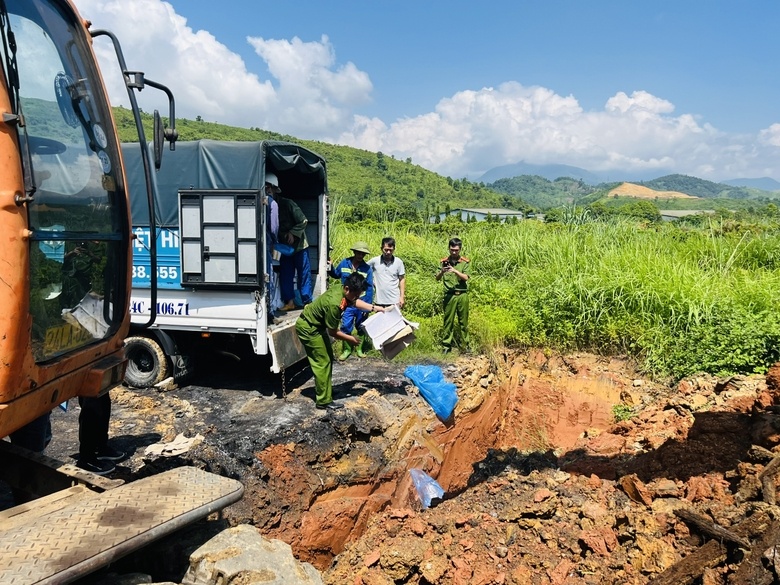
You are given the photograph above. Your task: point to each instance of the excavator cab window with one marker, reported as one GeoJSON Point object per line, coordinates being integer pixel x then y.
{"type": "Point", "coordinates": [74, 194]}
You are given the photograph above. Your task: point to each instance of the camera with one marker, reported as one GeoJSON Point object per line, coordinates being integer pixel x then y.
{"type": "Point", "coordinates": [445, 263]}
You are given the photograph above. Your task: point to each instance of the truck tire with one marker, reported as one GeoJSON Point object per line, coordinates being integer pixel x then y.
{"type": "Point", "coordinates": [147, 364]}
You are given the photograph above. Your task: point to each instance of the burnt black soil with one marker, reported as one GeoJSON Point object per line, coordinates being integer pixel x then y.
{"type": "Point", "coordinates": [240, 409]}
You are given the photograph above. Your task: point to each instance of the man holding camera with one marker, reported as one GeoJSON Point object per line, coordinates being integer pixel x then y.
{"type": "Point", "coordinates": [454, 272]}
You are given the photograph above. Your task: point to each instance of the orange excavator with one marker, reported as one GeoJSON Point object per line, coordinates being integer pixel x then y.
{"type": "Point", "coordinates": [65, 278]}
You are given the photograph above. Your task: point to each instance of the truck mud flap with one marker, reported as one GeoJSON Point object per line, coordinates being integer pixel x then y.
{"type": "Point", "coordinates": [284, 346]}
{"type": "Point", "coordinates": [68, 542]}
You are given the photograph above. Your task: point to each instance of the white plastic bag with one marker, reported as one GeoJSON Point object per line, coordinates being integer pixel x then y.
{"type": "Point", "coordinates": [427, 487]}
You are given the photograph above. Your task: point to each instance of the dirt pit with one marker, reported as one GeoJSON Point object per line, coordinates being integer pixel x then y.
{"type": "Point", "coordinates": [541, 486]}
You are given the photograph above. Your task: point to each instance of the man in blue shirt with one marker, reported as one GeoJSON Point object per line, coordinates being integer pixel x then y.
{"type": "Point", "coordinates": [354, 317]}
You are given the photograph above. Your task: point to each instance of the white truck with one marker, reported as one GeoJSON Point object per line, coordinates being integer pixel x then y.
{"type": "Point", "coordinates": [214, 268]}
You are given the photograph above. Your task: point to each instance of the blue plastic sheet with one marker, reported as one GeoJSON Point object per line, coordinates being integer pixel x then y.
{"type": "Point", "coordinates": [427, 488]}
{"type": "Point", "coordinates": [436, 391]}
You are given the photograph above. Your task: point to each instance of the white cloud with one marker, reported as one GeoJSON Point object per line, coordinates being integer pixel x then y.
{"type": "Point", "coordinates": [311, 95]}
{"type": "Point", "coordinates": [474, 131]}
{"type": "Point", "coordinates": [640, 101]}
{"type": "Point", "coordinates": [314, 99]}
{"type": "Point", "coordinates": [771, 135]}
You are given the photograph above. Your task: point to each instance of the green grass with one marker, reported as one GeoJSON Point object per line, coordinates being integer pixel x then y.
{"type": "Point", "coordinates": [679, 300]}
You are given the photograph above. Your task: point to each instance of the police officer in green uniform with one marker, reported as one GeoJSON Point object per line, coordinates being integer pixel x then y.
{"type": "Point", "coordinates": [321, 320]}
{"type": "Point", "coordinates": [454, 272]}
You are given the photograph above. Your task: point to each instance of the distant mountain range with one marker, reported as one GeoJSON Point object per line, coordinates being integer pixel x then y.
{"type": "Point", "coordinates": [671, 191]}
{"type": "Point", "coordinates": [764, 183]}
{"type": "Point", "coordinates": [549, 172]}
{"type": "Point", "coordinates": [555, 171]}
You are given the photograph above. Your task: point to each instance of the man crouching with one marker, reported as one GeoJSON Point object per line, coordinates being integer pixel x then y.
{"type": "Point", "coordinates": [321, 319]}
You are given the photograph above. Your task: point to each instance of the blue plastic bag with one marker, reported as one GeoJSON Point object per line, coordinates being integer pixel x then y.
{"type": "Point", "coordinates": [436, 391]}
{"type": "Point", "coordinates": [427, 487]}
{"type": "Point", "coordinates": [284, 249]}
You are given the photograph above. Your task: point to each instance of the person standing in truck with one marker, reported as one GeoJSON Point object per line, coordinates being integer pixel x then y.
{"type": "Point", "coordinates": [321, 320]}
{"type": "Point", "coordinates": [271, 235]}
{"type": "Point", "coordinates": [454, 272]}
{"type": "Point", "coordinates": [292, 232]}
{"type": "Point", "coordinates": [389, 276]}
{"type": "Point", "coordinates": [353, 317]}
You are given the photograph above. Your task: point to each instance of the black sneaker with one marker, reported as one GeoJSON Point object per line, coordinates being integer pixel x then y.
{"type": "Point", "coordinates": [108, 453]}
{"type": "Point", "coordinates": [330, 406]}
{"type": "Point", "coordinates": [97, 467]}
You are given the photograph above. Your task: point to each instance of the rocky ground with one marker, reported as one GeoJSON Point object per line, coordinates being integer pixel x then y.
{"type": "Point", "coordinates": [541, 485]}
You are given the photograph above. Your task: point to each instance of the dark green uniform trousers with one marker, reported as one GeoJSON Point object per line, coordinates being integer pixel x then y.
{"type": "Point", "coordinates": [319, 350]}
{"type": "Point", "coordinates": [456, 306]}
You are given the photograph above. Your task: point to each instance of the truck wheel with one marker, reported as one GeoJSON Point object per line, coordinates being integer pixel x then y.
{"type": "Point", "coordinates": [146, 362]}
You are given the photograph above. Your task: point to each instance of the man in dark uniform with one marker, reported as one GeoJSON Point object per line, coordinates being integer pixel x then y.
{"type": "Point", "coordinates": [454, 272]}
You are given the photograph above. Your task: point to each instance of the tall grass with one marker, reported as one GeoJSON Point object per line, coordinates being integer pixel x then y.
{"type": "Point", "coordinates": [678, 300]}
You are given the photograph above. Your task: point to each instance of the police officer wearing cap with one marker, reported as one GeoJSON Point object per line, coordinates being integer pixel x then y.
{"type": "Point", "coordinates": [353, 317]}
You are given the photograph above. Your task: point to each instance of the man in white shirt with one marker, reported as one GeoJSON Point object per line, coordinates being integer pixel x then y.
{"type": "Point", "coordinates": [389, 276]}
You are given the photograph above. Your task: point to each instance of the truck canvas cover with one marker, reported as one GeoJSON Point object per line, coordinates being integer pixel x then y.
{"type": "Point", "coordinates": [213, 164]}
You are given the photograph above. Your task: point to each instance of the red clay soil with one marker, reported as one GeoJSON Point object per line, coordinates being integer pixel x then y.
{"type": "Point", "coordinates": [563, 495]}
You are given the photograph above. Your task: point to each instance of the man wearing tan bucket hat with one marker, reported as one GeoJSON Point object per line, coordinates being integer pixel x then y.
{"type": "Point", "coordinates": [353, 317]}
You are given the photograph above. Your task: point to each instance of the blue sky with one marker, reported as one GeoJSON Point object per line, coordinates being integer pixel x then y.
{"type": "Point", "coordinates": [636, 87]}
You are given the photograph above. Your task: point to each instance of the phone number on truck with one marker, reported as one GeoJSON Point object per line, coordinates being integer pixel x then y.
{"type": "Point", "coordinates": [163, 272]}
{"type": "Point", "coordinates": [163, 307]}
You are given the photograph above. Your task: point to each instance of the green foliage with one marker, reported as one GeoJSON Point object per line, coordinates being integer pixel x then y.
{"type": "Point", "coordinates": [621, 412]}
{"type": "Point", "coordinates": [540, 192]}
{"type": "Point", "coordinates": [639, 209]}
{"type": "Point", "coordinates": [677, 299]}
{"type": "Point", "coordinates": [698, 187]}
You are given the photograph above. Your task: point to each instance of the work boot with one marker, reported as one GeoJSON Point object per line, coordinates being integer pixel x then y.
{"type": "Point", "coordinates": [288, 306]}
{"type": "Point", "coordinates": [347, 351]}
{"type": "Point", "coordinates": [363, 347]}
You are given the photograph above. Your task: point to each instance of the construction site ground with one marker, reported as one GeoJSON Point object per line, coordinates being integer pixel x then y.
{"type": "Point", "coordinates": [541, 484]}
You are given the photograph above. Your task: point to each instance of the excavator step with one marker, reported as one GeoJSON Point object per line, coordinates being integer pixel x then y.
{"type": "Point", "coordinates": [72, 541]}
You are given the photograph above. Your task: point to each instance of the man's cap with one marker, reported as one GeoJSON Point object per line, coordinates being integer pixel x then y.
{"type": "Point", "coordinates": [271, 179]}
{"type": "Point", "coordinates": [360, 247]}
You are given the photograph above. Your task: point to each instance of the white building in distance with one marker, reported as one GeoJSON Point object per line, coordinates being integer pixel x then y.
{"type": "Point", "coordinates": [481, 214]}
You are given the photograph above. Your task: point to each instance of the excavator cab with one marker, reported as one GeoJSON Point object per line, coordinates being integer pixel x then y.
{"type": "Point", "coordinates": [65, 261]}
{"type": "Point", "coordinates": [64, 217]}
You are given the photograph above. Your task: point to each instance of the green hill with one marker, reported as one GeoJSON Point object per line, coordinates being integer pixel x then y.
{"type": "Point", "coordinates": [702, 188]}
{"type": "Point", "coordinates": [362, 184]}
{"type": "Point", "coordinates": [543, 193]}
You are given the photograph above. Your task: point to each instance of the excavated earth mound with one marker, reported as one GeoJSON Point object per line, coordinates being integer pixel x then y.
{"type": "Point", "coordinates": [642, 192]}
{"type": "Point", "coordinates": [540, 484]}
